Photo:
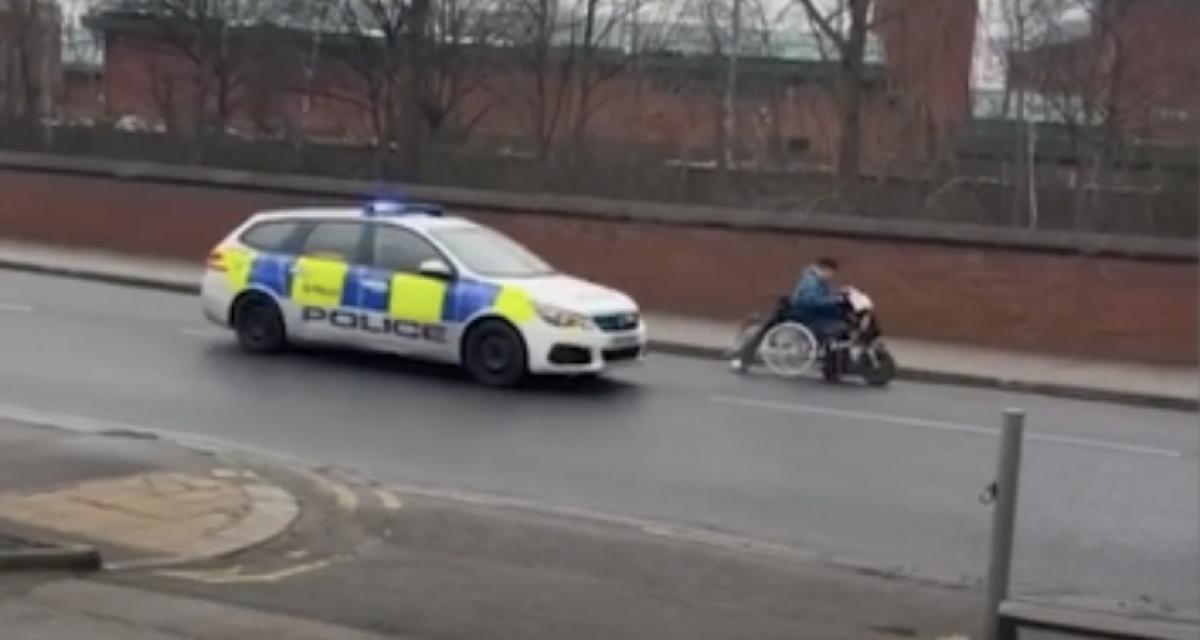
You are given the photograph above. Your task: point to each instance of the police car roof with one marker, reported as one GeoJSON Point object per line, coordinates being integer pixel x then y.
{"type": "Point", "coordinates": [413, 220]}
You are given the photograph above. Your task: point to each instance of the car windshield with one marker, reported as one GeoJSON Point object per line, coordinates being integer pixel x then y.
{"type": "Point", "coordinates": [489, 253]}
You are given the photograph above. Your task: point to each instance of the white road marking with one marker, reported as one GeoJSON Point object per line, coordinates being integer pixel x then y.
{"type": "Point", "coordinates": [344, 495]}
{"type": "Point", "coordinates": [234, 575]}
{"type": "Point", "coordinates": [389, 500]}
{"type": "Point", "coordinates": [938, 425]}
{"type": "Point", "coordinates": [14, 307]}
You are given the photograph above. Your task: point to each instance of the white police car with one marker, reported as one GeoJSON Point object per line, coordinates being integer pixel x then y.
{"type": "Point", "coordinates": [401, 277]}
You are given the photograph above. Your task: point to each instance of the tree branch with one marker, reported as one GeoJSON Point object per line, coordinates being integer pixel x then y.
{"type": "Point", "coordinates": [823, 23]}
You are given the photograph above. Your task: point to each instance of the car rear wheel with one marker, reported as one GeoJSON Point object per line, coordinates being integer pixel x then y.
{"type": "Point", "coordinates": [494, 354]}
{"type": "Point", "coordinates": [259, 324]}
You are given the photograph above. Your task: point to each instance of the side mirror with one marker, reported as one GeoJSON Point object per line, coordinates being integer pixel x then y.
{"type": "Point", "coordinates": [436, 269]}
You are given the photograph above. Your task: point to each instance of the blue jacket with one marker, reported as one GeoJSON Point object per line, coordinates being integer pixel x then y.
{"type": "Point", "coordinates": [813, 297]}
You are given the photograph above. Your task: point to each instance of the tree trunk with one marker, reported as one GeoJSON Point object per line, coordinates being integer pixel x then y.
{"type": "Point", "coordinates": [583, 108]}
{"type": "Point", "coordinates": [28, 53]}
{"type": "Point", "coordinates": [849, 93]}
{"type": "Point", "coordinates": [412, 143]}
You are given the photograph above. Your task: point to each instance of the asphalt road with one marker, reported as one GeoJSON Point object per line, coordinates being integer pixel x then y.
{"type": "Point", "coordinates": [1109, 504]}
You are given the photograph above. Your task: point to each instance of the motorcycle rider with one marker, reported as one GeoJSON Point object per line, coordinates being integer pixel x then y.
{"type": "Point", "coordinates": [814, 303]}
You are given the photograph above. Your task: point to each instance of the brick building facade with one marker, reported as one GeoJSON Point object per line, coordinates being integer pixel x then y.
{"type": "Point", "coordinates": [275, 81]}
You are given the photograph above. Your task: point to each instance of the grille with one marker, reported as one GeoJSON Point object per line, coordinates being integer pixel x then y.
{"type": "Point", "coordinates": [568, 354]}
{"type": "Point", "coordinates": [616, 355]}
{"type": "Point", "coordinates": [614, 322]}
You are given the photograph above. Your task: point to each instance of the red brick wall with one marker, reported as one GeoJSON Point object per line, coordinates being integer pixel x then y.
{"type": "Point", "coordinates": [1102, 307]}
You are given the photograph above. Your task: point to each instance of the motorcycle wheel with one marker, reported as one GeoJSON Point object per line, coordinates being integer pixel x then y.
{"type": "Point", "coordinates": [880, 371]}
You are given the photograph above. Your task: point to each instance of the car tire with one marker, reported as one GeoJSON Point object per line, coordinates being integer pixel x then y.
{"type": "Point", "coordinates": [494, 354]}
{"type": "Point", "coordinates": [259, 324]}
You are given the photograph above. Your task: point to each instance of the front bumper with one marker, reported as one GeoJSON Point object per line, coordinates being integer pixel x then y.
{"type": "Point", "coordinates": [578, 351]}
{"type": "Point", "coordinates": [215, 298]}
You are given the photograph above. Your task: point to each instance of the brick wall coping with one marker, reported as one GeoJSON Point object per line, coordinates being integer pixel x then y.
{"type": "Point", "coordinates": [1141, 247]}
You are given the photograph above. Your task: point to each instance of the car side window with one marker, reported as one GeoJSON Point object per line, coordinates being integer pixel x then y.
{"type": "Point", "coordinates": [401, 250]}
{"type": "Point", "coordinates": [275, 236]}
{"type": "Point", "coordinates": [341, 239]}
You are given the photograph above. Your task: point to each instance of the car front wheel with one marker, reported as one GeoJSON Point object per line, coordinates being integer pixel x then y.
{"type": "Point", "coordinates": [494, 354]}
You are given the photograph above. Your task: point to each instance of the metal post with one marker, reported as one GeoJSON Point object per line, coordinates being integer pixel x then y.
{"type": "Point", "coordinates": [1003, 524]}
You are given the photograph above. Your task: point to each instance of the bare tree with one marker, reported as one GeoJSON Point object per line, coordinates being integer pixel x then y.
{"type": "Point", "coordinates": [767, 23]}
{"type": "Point", "coordinates": [210, 38]}
{"type": "Point", "coordinates": [721, 23]}
{"type": "Point", "coordinates": [1079, 71]}
{"type": "Point", "coordinates": [564, 51]}
{"type": "Point", "coordinates": [1023, 21]}
{"type": "Point", "coordinates": [599, 23]}
{"type": "Point", "coordinates": [547, 60]}
{"type": "Point", "coordinates": [26, 52]}
{"type": "Point", "coordinates": [386, 44]}
{"type": "Point", "coordinates": [844, 26]}
{"type": "Point", "coordinates": [462, 36]}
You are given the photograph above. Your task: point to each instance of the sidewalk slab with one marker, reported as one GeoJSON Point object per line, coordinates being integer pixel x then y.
{"type": "Point", "coordinates": [81, 609]}
{"type": "Point", "coordinates": [1164, 386]}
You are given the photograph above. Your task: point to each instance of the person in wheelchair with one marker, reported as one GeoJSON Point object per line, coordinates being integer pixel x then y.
{"type": "Point", "coordinates": [813, 302]}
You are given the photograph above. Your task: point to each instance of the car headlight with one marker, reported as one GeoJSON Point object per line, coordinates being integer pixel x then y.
{"type": "Point", "coordinates": [562, 318]}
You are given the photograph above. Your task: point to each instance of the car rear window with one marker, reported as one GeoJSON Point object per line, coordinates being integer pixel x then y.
{"type": "Point", "coordinates": [276, 235]}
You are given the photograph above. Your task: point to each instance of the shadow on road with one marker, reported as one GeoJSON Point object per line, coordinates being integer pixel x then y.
{"type": "Point", "coordinates": [330, 359]}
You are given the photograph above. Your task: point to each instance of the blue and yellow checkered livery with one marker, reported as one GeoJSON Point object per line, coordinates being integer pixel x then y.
{"type": "Point", "coordinates": [331, 283]}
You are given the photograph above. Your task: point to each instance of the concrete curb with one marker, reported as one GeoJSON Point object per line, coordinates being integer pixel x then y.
{"type": "Point", "coordinates": [1056, 390]}
{"type": "Point", "coordinates": [72, 558]}
{"type": "Point", "coordinates": [271, 510]}
{"type": "Point", "coordinates": [981, 381]}
{"type": "Point", "coordinates": [79, 273]}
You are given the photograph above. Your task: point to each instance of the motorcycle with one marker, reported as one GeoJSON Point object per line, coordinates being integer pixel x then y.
{"type": "Point", "coordinates": [789, 349]}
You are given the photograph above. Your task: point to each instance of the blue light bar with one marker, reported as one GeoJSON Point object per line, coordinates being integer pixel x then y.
{"type": "Point", "coordinates": [394, 208]}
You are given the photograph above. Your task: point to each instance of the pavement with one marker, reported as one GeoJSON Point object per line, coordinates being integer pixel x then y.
{"type": "Point", "coordinates": [140, 502]}
{"type": "Point", "coordinates": [857, 477]}
{"type": "Point", "coordinates": [1129, 382]}
{"type": "Point", "coordinates": [67, 609]}
{"type": "Point", "coordinates": [366, 560]}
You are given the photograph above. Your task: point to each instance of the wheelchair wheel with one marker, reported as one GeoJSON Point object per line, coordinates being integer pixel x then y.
{"type": "Point", "coordinates": [789, 349]}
